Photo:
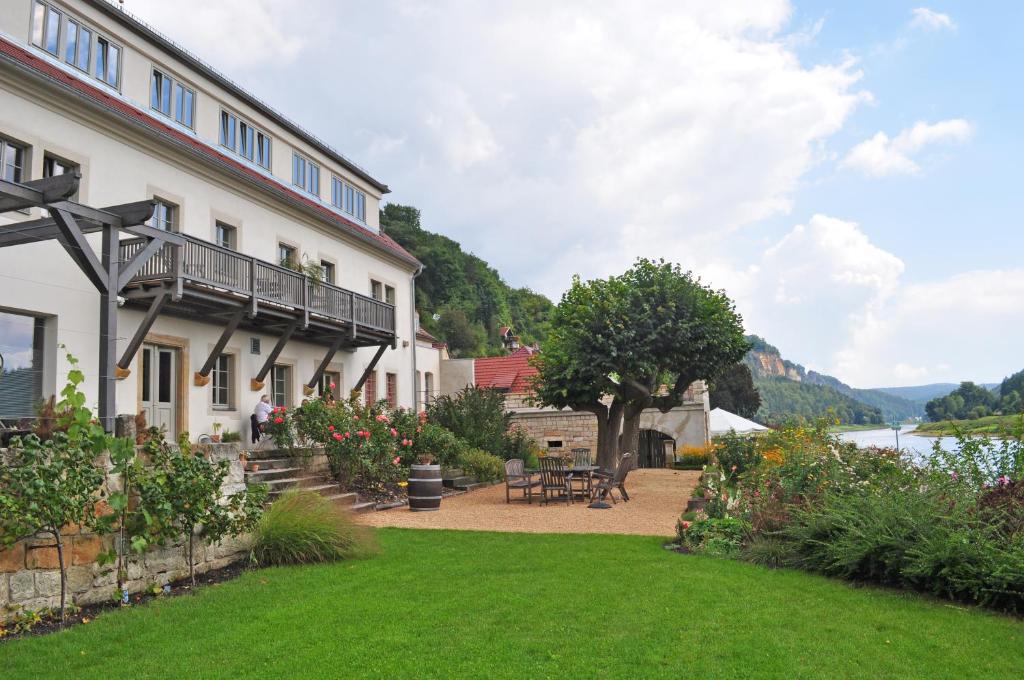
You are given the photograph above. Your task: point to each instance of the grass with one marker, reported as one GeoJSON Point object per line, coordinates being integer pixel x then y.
{"type": "Point", "coordinates": [466, 604]}
{"type": "Point", "coordinates": [993, 426]}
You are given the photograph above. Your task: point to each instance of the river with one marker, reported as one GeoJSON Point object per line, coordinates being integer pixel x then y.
{"type": "Point", "coordinates": [909, 442]}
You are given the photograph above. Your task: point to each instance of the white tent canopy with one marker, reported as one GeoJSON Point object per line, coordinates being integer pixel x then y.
{"type": "Point", "coordinates": [723, 422]}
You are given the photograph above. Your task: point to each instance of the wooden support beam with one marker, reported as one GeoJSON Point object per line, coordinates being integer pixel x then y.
{"type": "Point", "coordinates": [46, 228]}
{"type": "Point", "coordinates": [331, 351]}
{"type": "Point", "coordinates": [202, 377]}
{"type": "Point", "coordinates": [157, 304]}
{"type": "Point", "coordinates": [108, 324]}
{"type": "Point", "coordinates": [73, 240]}
{"type": "Point", "coordinates": [38, 192]}
{"type": "Point", "coordinates": [369, 369]}
{"type": "Point", "coordinates": [257, 383]}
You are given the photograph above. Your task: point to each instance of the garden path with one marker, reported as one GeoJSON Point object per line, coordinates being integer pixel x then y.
{"type": "Point", "coordinates": [658, 498]}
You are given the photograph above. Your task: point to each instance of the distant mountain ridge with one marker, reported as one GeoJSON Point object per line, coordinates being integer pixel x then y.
{"type": "Point", "coordinates": [803, 397]}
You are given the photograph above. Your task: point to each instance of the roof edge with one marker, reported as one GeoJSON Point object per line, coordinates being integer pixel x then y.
{"type": "Point", "coordinates": [136, 24]}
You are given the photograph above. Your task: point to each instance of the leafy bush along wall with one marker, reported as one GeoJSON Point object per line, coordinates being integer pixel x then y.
{"type": "Point", "coordinates": [29, 570]}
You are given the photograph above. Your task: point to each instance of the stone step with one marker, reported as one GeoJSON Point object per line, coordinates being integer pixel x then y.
{"type": "Point", "coordinates": [269, 463]}
{"type": "Point", "coordinates": [262, 476]}
{"type": "Point", "coordinates": [469, 486]}
{"type": "Point", "coordinates": [456, 482]}
{"type": "Point", "coordinates": [277, 486]}
{"type": "Point", "coordinates": [452, 473]}
{"type": "Point", "coordinates": [364, 506]}
{"type": "Point", "coordinates": [346, 498]}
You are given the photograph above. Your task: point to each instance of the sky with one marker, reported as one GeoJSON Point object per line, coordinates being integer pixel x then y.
{"type": "Point", "coordinates": [847, 172]}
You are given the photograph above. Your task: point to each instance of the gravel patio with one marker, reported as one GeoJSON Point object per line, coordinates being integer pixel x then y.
{"type": "Point", "coordinates": [658, 497]}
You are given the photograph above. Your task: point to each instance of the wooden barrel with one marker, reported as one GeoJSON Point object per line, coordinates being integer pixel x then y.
{"type": "Point", "coordinates": [424, 488]}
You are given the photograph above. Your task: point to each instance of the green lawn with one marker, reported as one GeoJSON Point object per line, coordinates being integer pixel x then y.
{"type": "Point", "coordinates": [484, 605]}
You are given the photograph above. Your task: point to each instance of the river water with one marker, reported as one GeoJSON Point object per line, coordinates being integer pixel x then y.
{"type": "Point", "coordinates": [909, 442]}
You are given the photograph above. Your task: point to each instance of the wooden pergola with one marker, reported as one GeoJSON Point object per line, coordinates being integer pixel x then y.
{"type": "Point", "coordinates": [178, 275]}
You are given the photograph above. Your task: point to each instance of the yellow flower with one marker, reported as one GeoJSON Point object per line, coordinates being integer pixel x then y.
{"type": "Point", "coordinates": [403, 484]}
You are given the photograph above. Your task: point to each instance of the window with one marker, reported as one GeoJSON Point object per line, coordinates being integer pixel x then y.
{"type": "Point", "coordinates": [306, 174]}
{"type": "Point", "coordinates": [348, 198]}
{"type": "Point", "coordinates": [286, 255]}
{"type": "Point", "coordinates": [327, 271]}
{"type": "Point", "coordinates": [108, 61]}
{"type": "Point", "coordinates": [326, 379]}
{"type": "Point", "coordinates": [262, 150]}
{"type": "Point", "coordinates": [389, 294]}
{"type": "Point", "coordinates": [78, 45]}
{"type": "Point", "coordinates": [255, 346]}
{"type": "Point", "coordinates": [370, 388]}
{"type": "Point", "coordinates": [280, 385]}
{"type": "Point", "coordinates": [21, 343]}
{"type": "Point", "coordinates": [12, 161]}
{"type": "Point", "coordinates": [222, 374]}
{"type": "Point", "coordinates": [376, 290]}
{"type": "Point", "coordinates": [225, 235]}
{"type": "Point", "coordinates": [391, 387]}
{"type": "Point", "coordinates": [228, 125]}
{"type": "Point", "coordinates": [428, 387]}
{"type": "Point", "coordinates": [164, 216]}
{"type": "Point", "coordinates": [172, 99]}
{"type": "Point", "coordinates": [46, 28]}
{"type": "Point", "coordinates": [246, 141]}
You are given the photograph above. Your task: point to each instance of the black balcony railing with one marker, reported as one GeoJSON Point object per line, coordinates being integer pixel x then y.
{"type": "Point", "coordinates": [211, 266]}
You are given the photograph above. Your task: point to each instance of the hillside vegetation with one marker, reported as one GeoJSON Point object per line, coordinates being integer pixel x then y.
{"type": "Point", "coordinates": [461, 299]}
{"type": "Point", "coordinates": [990, 426]}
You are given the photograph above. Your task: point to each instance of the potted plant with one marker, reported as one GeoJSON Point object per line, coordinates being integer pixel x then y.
{"type": "Point", "coordinates": [215, 437]}
{"type": "Point", "coordinates": [424, 484]}
{"type": "Point", "coordinates": [698, 501]}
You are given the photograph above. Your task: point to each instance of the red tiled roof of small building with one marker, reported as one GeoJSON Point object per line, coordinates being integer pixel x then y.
{"type": "Point", "coordinates": [512, 372]}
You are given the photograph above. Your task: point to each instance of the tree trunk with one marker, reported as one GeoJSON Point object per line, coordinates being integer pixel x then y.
{"type": "Point", "coordinates": [63, 573]}
{"type": "Point", "coordinates": [609, 421]}
{"type": "Point", "coordinates": [630, 440]}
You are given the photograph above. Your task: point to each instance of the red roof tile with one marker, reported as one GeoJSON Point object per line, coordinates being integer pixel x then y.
{"type": "Point", "coordinates": [96, 94]}
{"type": "Point", "coordinates": [512, 372]}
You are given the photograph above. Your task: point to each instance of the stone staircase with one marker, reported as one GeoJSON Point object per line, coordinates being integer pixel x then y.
{"type": "Point", "coordinates": [280, 471]}
{"type": "Point", "coordinates": [455, 478]}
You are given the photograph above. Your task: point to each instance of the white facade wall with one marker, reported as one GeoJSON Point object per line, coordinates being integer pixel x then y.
{"type": "Point", "coordinates": [121, 163]}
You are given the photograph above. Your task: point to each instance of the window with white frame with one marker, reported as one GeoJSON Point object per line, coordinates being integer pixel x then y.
{"type": "Point", "coordinates": [12, 161]}
{"type": "Point", "coordinates": [327, 379]}
{"type": "Point", "coordinates": [305, 174]}
{"type": "Point", "coordinates": [389, 294]}
{"type": "Point", "coordinates": [280, 385]}
{"type": "Point", "coordinates": [78, 45]}
{"type": "Point", "coordinates": [428, 387]}
{"type": "Point", "coordinates": [245, 139]}
{"type": "Point", "coordinates": [68, 38]}
{"type": "Point", "coordinates": [327, 271]}
{"type": "Point", "coordinates": [108, 62]}
{"type": "Point", "coordinates": [165, 216]}
{"type": "Point", "coordinates": [173, 99]}
{"type": "Point", "coordinates": [225, 235]}
{"type": "Point", "coordinates": [376, 290]}
{"type": "Point", "coordinates": [223, 372]}
{"type": "Point", "coordinates": [287, 256]}
{"type": "Point", "coordinates": [348, 198]}
{"type": "Point", "coordinates": [54, 166]}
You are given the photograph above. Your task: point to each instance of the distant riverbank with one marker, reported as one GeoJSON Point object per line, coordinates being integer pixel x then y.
{"type": "Point", "coordinates": [859, 428]}
{"type": "Point", "coordinates": [991, 426]}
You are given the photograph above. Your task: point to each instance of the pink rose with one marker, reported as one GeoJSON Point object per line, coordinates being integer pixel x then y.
{"type": "Point", "coordinates": [337, 437]}
{"type": "Point", "coordinates": [330, 428]}
{"type": "Point", "coordinates": [686, 525]}
{"type": "Point", "coordinates": [394, 432]}
{"type": "Point", "coordinates": [397, 460]}
{"type": "Point", "coordinates": [333, 386]}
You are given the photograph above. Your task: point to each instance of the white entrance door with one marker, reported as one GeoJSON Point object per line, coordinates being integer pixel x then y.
{"type": "Point", "coordinates": [159, 380]}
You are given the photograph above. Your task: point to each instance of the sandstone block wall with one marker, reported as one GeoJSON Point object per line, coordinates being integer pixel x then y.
{"type": "Point", "coordinates": [30, 575]}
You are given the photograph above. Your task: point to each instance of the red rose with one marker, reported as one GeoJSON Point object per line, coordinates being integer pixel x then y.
{"type": "Point", "coordinates": [278, 420]}
{"type": "Point", "coordinates": [330, 428]}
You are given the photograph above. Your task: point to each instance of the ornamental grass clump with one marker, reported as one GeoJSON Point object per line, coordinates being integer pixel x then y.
{"type": "Point", "coordinates": [303, 527]}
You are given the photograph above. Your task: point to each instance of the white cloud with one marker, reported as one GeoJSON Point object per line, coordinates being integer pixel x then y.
{"type": "Point", "coordinates": [593, 132]}
{"type": "Point", "coordinates": [881, 156]}
{"type": "Point", "coordinates": [831, 299]}
{"type": "Point", "coordinates": [929, 20]}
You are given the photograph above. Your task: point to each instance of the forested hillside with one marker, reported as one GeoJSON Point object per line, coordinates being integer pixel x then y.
{"type": "Point", "coordinates": [461, 299]}
{"type": "Point", "coordinates": [782, 399]}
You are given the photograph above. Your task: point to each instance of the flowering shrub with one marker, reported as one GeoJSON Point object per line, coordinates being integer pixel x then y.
{"type": "Point", "coordinates": [281, 428]}
{"type": "Point", "coordinates": [952, 526]}
{"type": "Point", "coordinates": [692, 457]}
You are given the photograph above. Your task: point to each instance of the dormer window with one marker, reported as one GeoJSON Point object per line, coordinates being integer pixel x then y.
{"type": "Point", "coordinates": [245, 139]}
{"type": "Point", "coordinates": [306, 174]}
{"type": "Point", "coordinates": [172, 99]}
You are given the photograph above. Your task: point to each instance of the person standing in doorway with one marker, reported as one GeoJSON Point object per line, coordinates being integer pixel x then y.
{"type": "Point", "coordinates": [260, 416]}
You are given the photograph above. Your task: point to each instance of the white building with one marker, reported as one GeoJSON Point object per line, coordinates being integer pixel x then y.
{"type": "Point", "coordinates": [86, 88]}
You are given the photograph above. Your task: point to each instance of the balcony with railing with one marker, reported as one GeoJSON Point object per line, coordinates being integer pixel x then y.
{"type": "Point", "coordinates": [208, 273]}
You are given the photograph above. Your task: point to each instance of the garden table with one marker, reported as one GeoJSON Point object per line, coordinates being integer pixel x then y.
{"type": "Point", "coordinates": [574, 470]}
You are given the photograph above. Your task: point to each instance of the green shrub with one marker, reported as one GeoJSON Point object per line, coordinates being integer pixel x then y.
{"type": "Point", "coordinates": [519, 444]}
{"type": "Point", "coordinates": [484, 466]}
{"type": "Point", "coordinates": [476, 415]}
{"type": "Point", "coordinates": [302, 527]}
{"type": "Point", "coordinates": [769, 551]}
{"type": "Point", "coordinates": [716, 537]}
{"type": "Point", "coordinates": [736, 453]}
{"type": "Point", "coordinates": [444, 446]}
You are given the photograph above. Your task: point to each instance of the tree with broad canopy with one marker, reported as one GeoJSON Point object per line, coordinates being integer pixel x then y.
{"type": "Point", "coordinates": [620, 345]}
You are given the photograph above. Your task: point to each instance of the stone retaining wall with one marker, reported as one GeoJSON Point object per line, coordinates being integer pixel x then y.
{"type": "Point", "coordinates": [30, 575]}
